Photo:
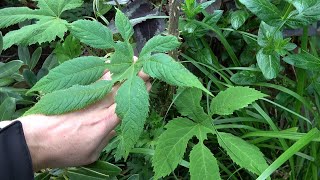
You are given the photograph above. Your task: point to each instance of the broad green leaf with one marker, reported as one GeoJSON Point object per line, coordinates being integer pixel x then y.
{"type": "Point", "coordinates": [10, 68]}
{"type": "Point", "coordinates": [234, 98]}
{"type": "Point", "coordinates": [188, 104]}
{"type": "Point", "coordinates": [172, 145]}
{"type": "Point", "coordinates": [213, 18]}
{"type": "Point", "coordinates": [265, 10]}
{"type": "Point", "coordinates": [302, 5]}
{"type": "Point", "coordinates": [304, 60]}
{"type": "Point", "coordinates": [45, 30]}
{"type": "Point", "coordinates": [6, 81]}
{"type": "Point", "coordinates": [104, 167]}
{"type": "Point", "coordinates": [122, 59]}
{"type": "Point", "coordinates": [247, 77]}
{"type": "Point", "coordinates": [238, 18]}
{"type": "Point", "coordinates": [69, 49]}
{"type": "Point", "coordinates": [243, 153]}
{"type": "Point", "coordinates": [308, 11]}
{"type": "Point", "coordinates": [203, 165]}
{"type": "Point", "coordinates": [35, 58]}
{"type": "Point", "coordinates": [269, 64]}
{"type": "Point", "coordinates": [132, 107]}
{"type": "Point", "coordinates": [71, 99]}
{"type": "Point", "coordinates": [14, 15]}
{"type": "Point", "coordinates": [296, 147]}
{"type": "Point", "coordinates": [164, 67]}
{"type": "Point", "coordinates": [100, 170]}
{"type": "Point", "coordinates": [24, 54]}
{"type": "Point", "coordinates": [123, 25]}
{"type": "Point", "coordinates": [55, 8]}
{"type": "Point", "coordinates": [1, 42]}
{"type": "Point", "coordinates": [268, 35]}
{"type": "Point", "coordinates": [30, 77]}
{"type": "Point", "coordinates": [159, 44]}
{"type": "Point", "coordinates": [82, 71]}
{"type": "Point", "coordinates": [92, 33]}
{"type": "Point", "coordinates": [7, 108]}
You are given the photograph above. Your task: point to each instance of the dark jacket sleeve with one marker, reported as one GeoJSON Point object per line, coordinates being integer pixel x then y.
{"type": "Point", "coordinates": [15, 159]}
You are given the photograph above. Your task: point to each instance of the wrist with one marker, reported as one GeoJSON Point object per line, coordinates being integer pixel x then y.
{"type": "Point", "coordinates": [35, 135]}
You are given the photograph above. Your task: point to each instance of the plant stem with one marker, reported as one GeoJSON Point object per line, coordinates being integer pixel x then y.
{"type": "Point", "coordinates": [301, 75]}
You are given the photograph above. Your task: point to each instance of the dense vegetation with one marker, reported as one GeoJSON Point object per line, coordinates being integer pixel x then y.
{"type": "Point", "coordinates": [235, 90]}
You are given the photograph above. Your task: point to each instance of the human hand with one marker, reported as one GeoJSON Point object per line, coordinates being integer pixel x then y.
{"type": "Point", "coordinates": [75, 138]}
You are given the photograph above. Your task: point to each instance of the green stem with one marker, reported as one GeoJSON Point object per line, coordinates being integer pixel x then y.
{"type": "Point", "coordinates": [301, 75]}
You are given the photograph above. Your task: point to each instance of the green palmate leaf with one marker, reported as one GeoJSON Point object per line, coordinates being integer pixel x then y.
{"type": "Point", "coordinates": [14, 15]}
{"type": "Point", "coordinates": [45, 30]}
{"type": "Point", "coordinates": [234, 98]}
{"type": "Point", "coordinates": [265, 10]}
{"type": "Point", "coordinates": [165, 68]}
{"type": "Point", "coordinates": [67, 50]}
{"type": "Point", "coordinates": [71, 99]}
{"type": "Point", "coordinates": [203, 165]}
{"type": "Point", "coordinates": [7, 108]}
{"type": "Point", "coordinates": [122, 59]}
{"type": "Point", "coordinates": [82, 71]}
{"type": "Point", "coordinates": [10, 68]}
{"type": "Point", "coordinates": [304, 60]}
{"type": "Point", "coordinates": [92, 33]}
{"type": "Point", "coordinates": [172, 145]}
{"type": "Point", "coordinates": [188, 104]}
{"type": "Point", "coordinates": [238, 18]}
{"type": "Point", "coordinates": [123, 25]}
{"type": "Point", "coordinates": [159, 44]}
{"type": "Point", "coordinates": [132, 107]}
{"type": "Point", "coordinates": [269, 64]}
{"type": "Point", "coordinates": [241, 152]}
{"type": "Point", "coordinates": [55, 8]}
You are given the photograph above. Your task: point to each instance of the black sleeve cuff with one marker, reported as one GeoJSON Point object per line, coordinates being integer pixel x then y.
{"type": "Point", "coordinates": [15, 159]}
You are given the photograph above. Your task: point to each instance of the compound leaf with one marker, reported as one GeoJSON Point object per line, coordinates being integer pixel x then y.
{"type": "Point", "coordinates": [234, 98]}
{"type": "Point", "coordinates": [188, 104]}
{"type": "Point", "coordinates": [159, 44]}
{"type": "Point", "coordinates": [82, 71]}
{"type": "Point", "coordinates": [269, 64]}
{"type": "Point", "coordinates": [241, 152]}
{"type": "Point", "coordinates": [132, 107]}
{"type": "Point", "coordinates": [55, 8]}
{"type": "Point", "coordinates": [123, 25]}
{"type": "Point", "coordinates": [303, 60]}
{"type": "Point", "coordinates": [92, 33]}
{"type": "Point", "coordinates": [265, 10]}
{"type": "Point", "coordinates": [71, 99]}
{"type": "Point", "coordinates": [172, 145]}
{"type": "Point", "coordinates": [164, 67]}
{"type": "Point", "coordinates": [203, 165]}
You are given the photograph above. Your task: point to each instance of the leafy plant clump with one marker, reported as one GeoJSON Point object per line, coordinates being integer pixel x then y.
{"type": "Point", "coordinates": [246, 104]}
